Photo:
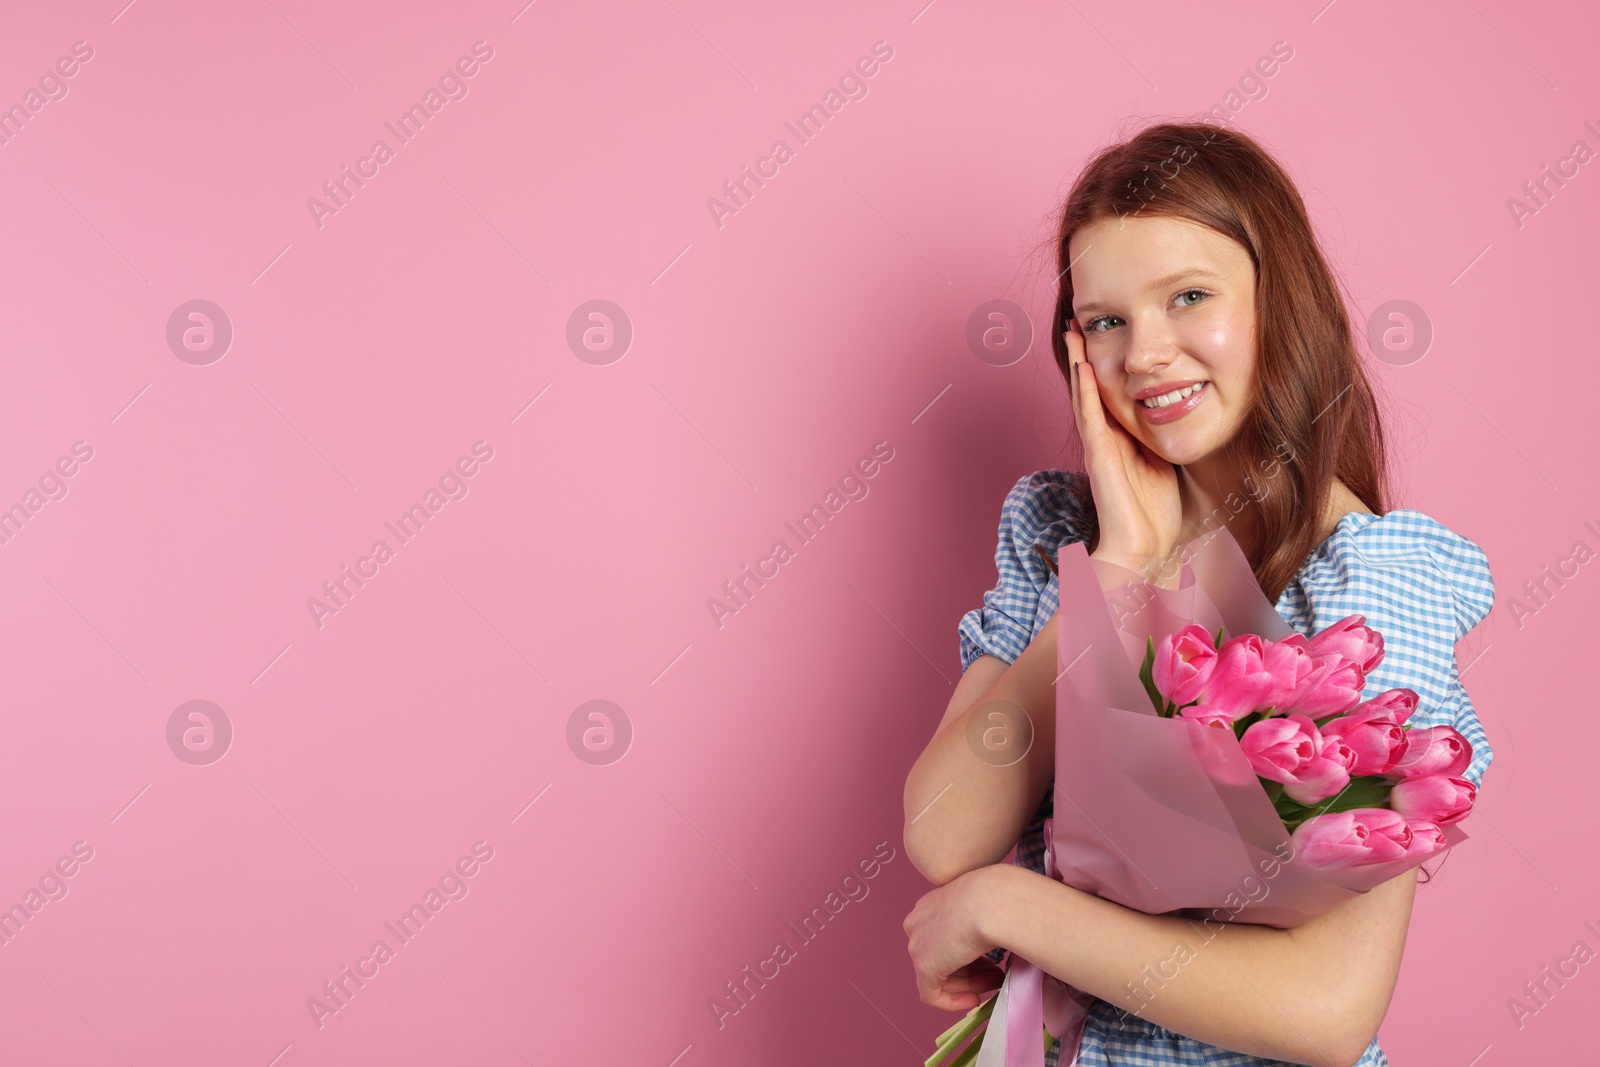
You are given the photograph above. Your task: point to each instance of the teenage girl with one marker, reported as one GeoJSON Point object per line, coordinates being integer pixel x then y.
{"type": "Point", "coordinates": [1214, 381]}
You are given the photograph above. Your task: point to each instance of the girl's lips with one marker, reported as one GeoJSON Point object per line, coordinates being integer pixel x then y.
{"type": "Point", "coordinates": [1173, 412]}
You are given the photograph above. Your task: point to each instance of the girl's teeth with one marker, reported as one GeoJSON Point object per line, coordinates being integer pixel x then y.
{"type": "Point", "coordinates": [1172, 397]}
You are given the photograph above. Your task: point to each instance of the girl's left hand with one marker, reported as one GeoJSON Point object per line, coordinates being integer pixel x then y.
{"type": "Point", "coordinates": [946, 943]}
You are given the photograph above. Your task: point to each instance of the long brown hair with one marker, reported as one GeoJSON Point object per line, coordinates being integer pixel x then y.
{"type": "Point", "coordinates": [1312, 410]}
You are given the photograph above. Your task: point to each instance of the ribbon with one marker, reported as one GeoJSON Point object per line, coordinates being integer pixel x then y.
{"type": "Point", "coordinates": [1031, 1002]}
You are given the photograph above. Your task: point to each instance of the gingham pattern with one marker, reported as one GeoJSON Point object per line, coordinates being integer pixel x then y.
{"type": "Point", "coordinates": [1418, 583]}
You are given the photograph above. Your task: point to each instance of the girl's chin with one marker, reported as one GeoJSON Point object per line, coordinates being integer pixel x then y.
{"type": "Point", "coordinates": [1184, 442]}
{"type": "Point", "coordinates": [1180, 449]}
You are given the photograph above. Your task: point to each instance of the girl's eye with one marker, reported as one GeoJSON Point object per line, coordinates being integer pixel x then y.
{"type": "Point", "coordinates": [1093, 325]}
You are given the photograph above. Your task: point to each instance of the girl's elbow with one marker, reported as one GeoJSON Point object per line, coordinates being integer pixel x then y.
{"type": "Point", "coordinates": [1351, 1056]}
{"type": "Point", "coordinates": [1334, 1043]}
{"type": "Point", "coordinates": [936, 864]}
{"type": "Point", "coordinates": [1354, 1023]}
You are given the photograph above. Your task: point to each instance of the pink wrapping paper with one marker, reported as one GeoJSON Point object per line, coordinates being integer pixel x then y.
{"type": "Point", "coordinates": [1164, 815]}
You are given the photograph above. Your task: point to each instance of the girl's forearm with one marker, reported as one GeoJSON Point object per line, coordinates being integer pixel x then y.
{"type": "Point", "coordinates": [972, 791]}
{"type": "Point", "coordinates": [1238, 986]}
{"type": "Point", "coordinates": [967, 800]}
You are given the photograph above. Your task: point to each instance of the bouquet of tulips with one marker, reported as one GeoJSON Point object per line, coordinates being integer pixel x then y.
{"type": "Point", "coordinates": [1349, 779]}
{"type": "Point", "coordinates": [1223, 780]}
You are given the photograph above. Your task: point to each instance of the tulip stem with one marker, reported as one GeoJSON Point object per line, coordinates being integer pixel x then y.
{"type": "Point", "coordinates": [964, 1028]}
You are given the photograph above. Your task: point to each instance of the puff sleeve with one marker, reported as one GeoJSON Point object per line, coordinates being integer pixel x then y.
{"type": "Point", "coordinates": [1424, 587]}
{"type": "Point", "coordinates": [1046, 508]}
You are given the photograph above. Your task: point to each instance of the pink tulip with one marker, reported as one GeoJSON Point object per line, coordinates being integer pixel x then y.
{"type": "Point", "coordinates": [1433, 750]}
{"type": "Point", "coordinates": [1183, 663]}
{"type": "Point", "coordinates": [1338, 749]}
{"type": "Point", "coordinates": [1426, 839]}
{"type": "Point", "coordinates": [1207, 714]}
{"type": "Point", "coordinates": [1388, 834]}
{"type": "Point", "coordinates": [1290, 750]}
{"type": "Point", "coordinates": [1377, 743]}
{"type": "Point", "coordinates": [1393, 704]}
{"type": "Point", "coordinates": [1334, 685]}
{"type": "Point", "coordinates": [1289, 661]}
{"type": "Point", "coordinates": [1436, 798]}
{"type": "Point", "coordinates": [1346, 838]}
{"type": "Point", "coordinates": [1239, 680]}
{"type": "Point", "coordinates": [1351, 641]}
{"type": "Point", "coordinates": [1324, 776]}
{"type": "Point", "coordinates": [1280, 748]}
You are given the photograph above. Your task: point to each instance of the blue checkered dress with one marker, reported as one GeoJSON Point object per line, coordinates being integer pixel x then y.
{"type": "Point", "coordinates": [1418, 583]}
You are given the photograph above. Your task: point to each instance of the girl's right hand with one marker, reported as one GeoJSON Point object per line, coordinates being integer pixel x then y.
{"type": "Point", "coordinates": [1135, 490]}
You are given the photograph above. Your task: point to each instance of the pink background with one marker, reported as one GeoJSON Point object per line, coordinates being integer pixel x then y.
{"type": "Point", "coordinates": [769, 355]}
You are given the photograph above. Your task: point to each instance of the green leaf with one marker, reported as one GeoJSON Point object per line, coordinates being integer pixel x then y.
{"type": "Point", "coordinates": [1365, 791]}
{"type": "Point", "coordinates": [1220, 631]}
{"type": "Point", "coordinates": [1289, 808]}
{"type": "Point", "coordinates": [1147, 676]}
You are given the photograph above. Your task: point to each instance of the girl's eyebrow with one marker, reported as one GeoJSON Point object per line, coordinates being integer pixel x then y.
{"type": "Point", "coordinates": [1159, 283]}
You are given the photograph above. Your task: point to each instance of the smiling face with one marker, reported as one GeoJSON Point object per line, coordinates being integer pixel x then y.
{"type": "Point", "coordinates": [1165, 303]}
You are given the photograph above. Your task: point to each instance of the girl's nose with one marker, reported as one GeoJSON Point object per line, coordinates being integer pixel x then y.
{"type": "Point", "coordinates": [1147, 352]}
